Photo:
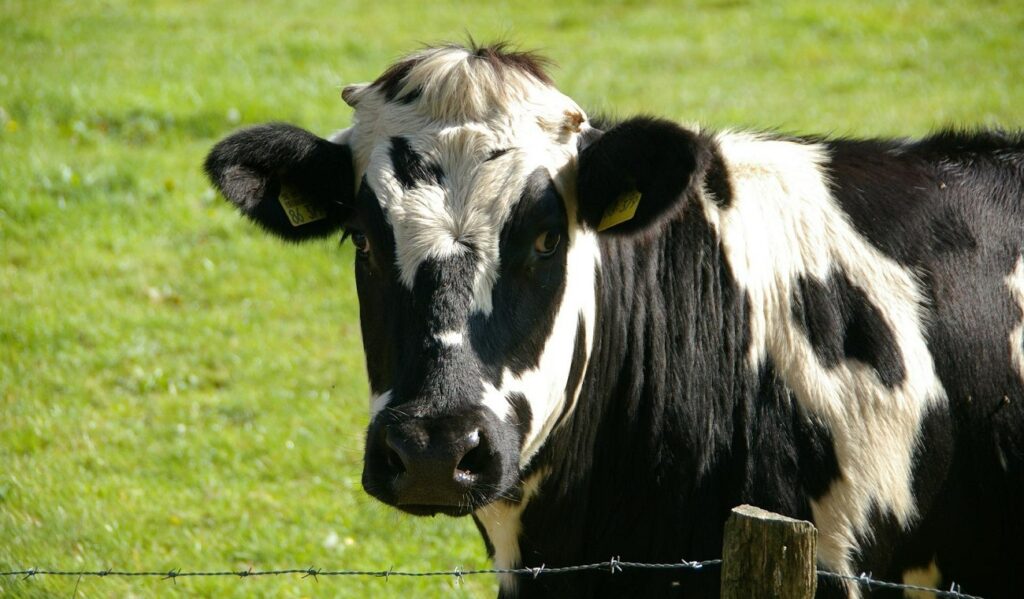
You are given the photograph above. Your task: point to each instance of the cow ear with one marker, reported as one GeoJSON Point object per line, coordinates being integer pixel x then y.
{"type": "Point", "coordinates": [292, 183]}
{"type": "Point", "coordinates": [638, 173]}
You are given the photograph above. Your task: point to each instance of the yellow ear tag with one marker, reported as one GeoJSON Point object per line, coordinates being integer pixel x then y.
{"type": "Point", "coordinates": [620, 211]}
{"type": "Point", "coordinates": [298, 211]}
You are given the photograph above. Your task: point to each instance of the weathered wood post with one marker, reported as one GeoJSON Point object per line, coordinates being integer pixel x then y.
{"type": "Point", "coordinates": [768, 556]}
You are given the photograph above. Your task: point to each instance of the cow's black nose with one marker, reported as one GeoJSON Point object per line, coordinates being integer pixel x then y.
{"type": "Point", "coordinates": [432, 464]}
{"type": "Point", "coordinates": [407, 454]}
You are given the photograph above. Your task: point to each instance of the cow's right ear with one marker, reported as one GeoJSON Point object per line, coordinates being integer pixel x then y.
{"type": "Point", "coordinates": [289, 181]}
{"type": "Point", "coordinates": [638, 173]}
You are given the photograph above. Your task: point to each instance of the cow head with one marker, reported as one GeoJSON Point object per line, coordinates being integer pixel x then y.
{"type": "Point", "coordinates": [477, 263]}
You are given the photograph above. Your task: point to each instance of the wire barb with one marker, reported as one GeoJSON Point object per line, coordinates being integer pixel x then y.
{"type": "Point", "coordinates": [865, 578]}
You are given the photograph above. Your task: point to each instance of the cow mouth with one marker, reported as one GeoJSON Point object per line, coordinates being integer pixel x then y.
{"type": "Point", "coordinates": [430, 501]}
{"type": "Point", "coordinates": [418, 509]}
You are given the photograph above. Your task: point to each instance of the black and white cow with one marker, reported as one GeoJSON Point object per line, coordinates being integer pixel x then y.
{"type": "Point", "coordinates": [597, 339]}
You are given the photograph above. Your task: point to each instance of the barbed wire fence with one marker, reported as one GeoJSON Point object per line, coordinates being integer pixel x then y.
{"type": "Point", "coordinates": [612, 566]}
{"type": "Point", "coordinates": [764, 554]}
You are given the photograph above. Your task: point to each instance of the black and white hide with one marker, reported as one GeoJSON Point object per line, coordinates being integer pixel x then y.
{"type": "Point", "coordinates": [596, 339]}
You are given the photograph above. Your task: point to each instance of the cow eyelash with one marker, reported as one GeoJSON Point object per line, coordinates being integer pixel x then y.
{"type": "Point", "coordinates": [359, 240]}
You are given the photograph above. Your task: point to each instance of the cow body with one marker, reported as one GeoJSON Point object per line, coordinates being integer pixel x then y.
{"type": "Point", "coordinates": [830, 329]}
{"type": "Point", "coordinates": [788, 406]}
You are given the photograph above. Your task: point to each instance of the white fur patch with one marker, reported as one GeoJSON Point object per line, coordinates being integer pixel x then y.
{"type": "Point", "coordinates": [784, 224]}
{"type": "Point", "coordinates": [378, 403]}
{"type": "Point", "coordinates": [495, 401]}
{"type": "Point", "coordinates": [1015, 281]}
{"type": "Point", "coordinates": [929, 577]}
{"type": "Point", "coordinates": [501, 520]}
{"type": "Point", "coordinates": [451, 338]}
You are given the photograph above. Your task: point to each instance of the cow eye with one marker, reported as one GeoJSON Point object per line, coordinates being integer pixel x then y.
{"type": "Point", "coordinates": [546, 243]}
{"type": "Point", "coordinates": [361, 242]}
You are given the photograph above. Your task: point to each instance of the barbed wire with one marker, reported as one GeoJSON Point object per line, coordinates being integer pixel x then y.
{"type": "Point", "coordinates": [612, 566]}
{"type": "Point", "coordinates": [865, 580]}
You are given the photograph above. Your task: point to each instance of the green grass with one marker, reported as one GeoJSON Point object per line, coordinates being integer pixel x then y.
{"type": "Point", "coordinates": [178, 390]}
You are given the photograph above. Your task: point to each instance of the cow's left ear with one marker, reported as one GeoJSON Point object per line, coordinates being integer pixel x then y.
{"type": "Point", "coordinates": [638, 173]}
{"type": "Point", "coordinates": [291, 182]}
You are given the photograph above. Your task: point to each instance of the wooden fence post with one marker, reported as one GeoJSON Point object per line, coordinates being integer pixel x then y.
{"type": "Point", "coordinates": [768, 556]}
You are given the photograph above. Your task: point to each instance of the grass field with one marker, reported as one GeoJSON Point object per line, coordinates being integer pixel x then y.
{"type": "Point", "coordinates": [178, 390]}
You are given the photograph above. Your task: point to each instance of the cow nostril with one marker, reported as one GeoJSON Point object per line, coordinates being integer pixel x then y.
{"type": "Point", "coordinates": [473, 462]}
{"type": "Point", "coordinates": [475, 459]}
{"type": "Point", "coordinates": [394, 459]}
{"type": "Point", "coordinates": [395, 462]}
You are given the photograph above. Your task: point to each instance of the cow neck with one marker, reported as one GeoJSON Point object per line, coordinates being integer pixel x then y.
{"type": "Point", "coordinates": [655, 415]}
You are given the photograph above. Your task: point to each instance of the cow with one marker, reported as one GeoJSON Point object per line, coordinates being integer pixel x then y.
{"type": "Point", "coordinates": [597, 337]}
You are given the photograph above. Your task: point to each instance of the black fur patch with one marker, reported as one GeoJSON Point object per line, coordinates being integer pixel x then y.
{"type": "Point", "coordinates": [529, 288]}
{"type": "Point", "coordinates": [951, 234]}
{"type": "Point", "coordinates": [840, 321]}
{"type": "Point", "coordinates": [978, 148]}
{"type": "Point", "coordinates": [495, 154]}
{"type": "Point", "coordinates": [443, 378]}
{"type": "Point", "coordinates": [781, 454]}
{"type": "Point", "coordinates": [443, 291]}
{"type": "Point", "coordinates": [410, 97]}
{"type": "Point", "coordinates": [716, 180]}
{"type": "Point", "coordinates": [523, 415]}
{"type": "Point", "coordinates": [488, 545]}
{"type": "Point", "coordinates": [819, 466]}
{"type": "Point", "coordinates": [914, 198]}
{"type": "Point", "coordinates": [579, 356]}
{"type": "Point", "coordinates": [501, 56]}
{"type": "Point", "coordinates": [410, 168]}
{"type": "Point", "coordinates": [873, 181]}
{"type": "Point", "coordinates": [392, 80]}
{"type": "Point", "coordinates": [380, 295]}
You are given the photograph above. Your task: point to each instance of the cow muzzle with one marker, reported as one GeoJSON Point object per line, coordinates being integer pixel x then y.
{"type": "Point", "coordinates": [426, 466]}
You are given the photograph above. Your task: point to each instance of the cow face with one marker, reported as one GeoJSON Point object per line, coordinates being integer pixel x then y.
{"type": "Point", "coordinates": [476, 264]}
{"type": "Point", "coordinates": [468, 271]}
